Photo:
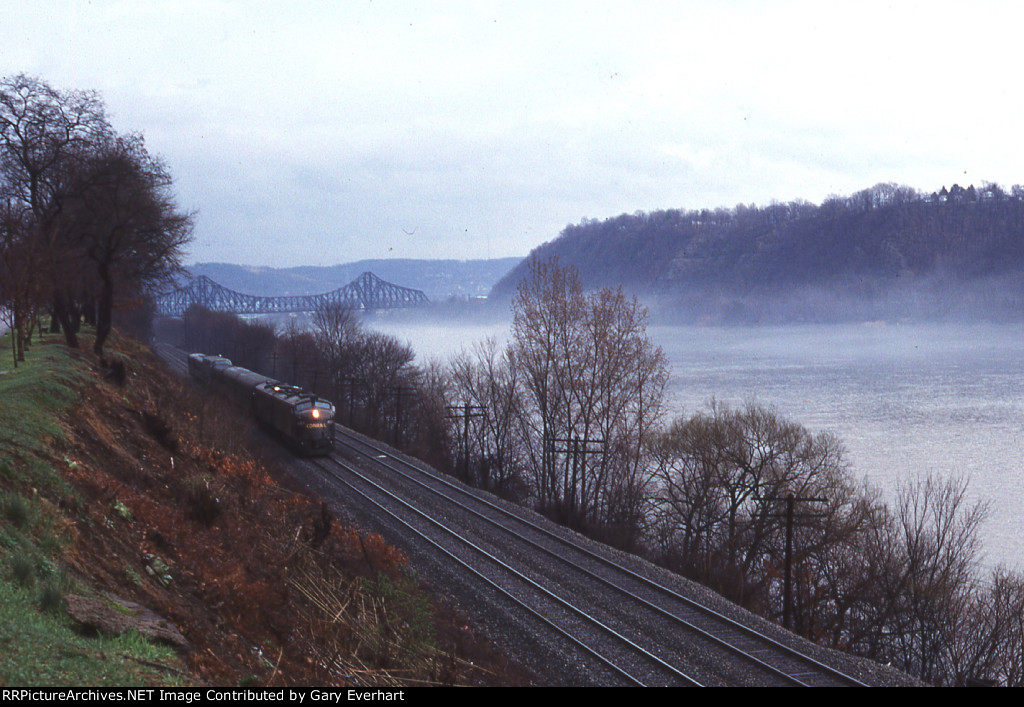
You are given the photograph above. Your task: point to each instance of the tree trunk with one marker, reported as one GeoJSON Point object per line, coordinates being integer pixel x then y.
{"type": "Point", "coordinates": [64, 311]}
{"type": "Point", "coordinates": [104, 309]}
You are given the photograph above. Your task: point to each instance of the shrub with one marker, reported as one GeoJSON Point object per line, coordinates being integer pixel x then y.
{"type": "Point", "coordinates": [23, 570]}
{"type": "Point", "coordinates": [51, 598]}
{"type": "Point", "coordinates": [17, 511]}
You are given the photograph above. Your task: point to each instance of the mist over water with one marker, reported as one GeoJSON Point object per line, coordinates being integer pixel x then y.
{"type": "Point", "coordinates": [905, 399]}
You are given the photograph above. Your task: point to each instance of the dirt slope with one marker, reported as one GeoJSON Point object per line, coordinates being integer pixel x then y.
{"type": "Point", "coordinates": [173, 514]}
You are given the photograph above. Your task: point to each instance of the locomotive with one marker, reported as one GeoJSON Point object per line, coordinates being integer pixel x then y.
{"type": "Point", "coordinates": [300, 418]}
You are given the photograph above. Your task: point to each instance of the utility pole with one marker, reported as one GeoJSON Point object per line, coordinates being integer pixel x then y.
{"type": "Point", "coordinates": [397, 390]}
{"type": "Point", "coordinates": [468, 411]}
{"type": "Point", "coordinates": [352, 383]}
{"type": "Point", "coordinates": [787, 597]}
{"type": "Point", "coordinates": [575, 450]}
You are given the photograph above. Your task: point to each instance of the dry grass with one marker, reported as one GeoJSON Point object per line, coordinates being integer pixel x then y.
{"type": "Point", "coordinates": [170, 510]}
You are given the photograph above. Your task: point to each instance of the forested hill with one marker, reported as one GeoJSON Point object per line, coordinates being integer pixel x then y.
{"type": "Point", "coordinates": [887, 251]}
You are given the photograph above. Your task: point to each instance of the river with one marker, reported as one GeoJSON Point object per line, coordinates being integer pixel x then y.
{"type": "Point", "coordinates": [906, 399]}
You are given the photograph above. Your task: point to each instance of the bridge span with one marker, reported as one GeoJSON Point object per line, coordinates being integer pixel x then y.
{"type": "Point", "coordinates": [367, 292]}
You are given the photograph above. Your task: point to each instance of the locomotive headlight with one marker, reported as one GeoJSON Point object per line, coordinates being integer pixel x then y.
{"type": "Point", "coordinates": [316, 414]}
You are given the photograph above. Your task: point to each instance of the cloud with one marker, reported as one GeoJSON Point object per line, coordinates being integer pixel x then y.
{"type": "Point", "coordinates": [323, 131]}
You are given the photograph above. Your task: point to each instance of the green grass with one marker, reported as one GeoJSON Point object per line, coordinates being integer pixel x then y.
{"type": "Point", "coordinates": [39, 648]}
{"type": "Point", "coordinates": [39, 644]}
{"type": "Point", "coordinates": [31, 396]}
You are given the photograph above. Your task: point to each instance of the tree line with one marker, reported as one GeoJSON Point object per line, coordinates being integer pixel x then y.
{"type": "Point", "coordinates": [369, 376]}
{"type": "Point", "coordinates": [568, 417]}
{"type": "Point", "coordinates": [89, 227]}
{"type": "Point", "coordinates": [959, 249]}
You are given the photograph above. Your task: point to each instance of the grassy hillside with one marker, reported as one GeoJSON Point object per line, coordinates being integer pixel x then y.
{"type": "Point", "coordinates": [142, 544]}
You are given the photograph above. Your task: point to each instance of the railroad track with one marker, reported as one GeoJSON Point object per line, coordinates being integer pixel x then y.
{"type": "Point", "coordinates": [173, 356]}
{"type": "Point", "coordinates": [623, 659]}
{"type": "Point", "coordinates": [646, 611]}
{"type": "Point", "coordinates": [638, 630]}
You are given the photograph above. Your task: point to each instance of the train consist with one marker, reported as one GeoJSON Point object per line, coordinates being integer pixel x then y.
{"type": "Point", "coordinates": [304, 421]}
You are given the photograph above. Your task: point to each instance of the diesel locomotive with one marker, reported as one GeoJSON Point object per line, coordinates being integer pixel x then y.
{"type": "Point", "coordinates": [302, 420]}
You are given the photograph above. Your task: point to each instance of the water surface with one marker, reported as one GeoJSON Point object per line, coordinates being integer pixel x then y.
{"type": "Point", "coordinates": [906, 399]}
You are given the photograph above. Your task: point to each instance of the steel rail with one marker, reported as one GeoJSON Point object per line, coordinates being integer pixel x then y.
{"type": "Point", "coordinates": [731, 624]}
{"type": "Point", "coordinates": [178, 360]}
{"type": "Point", "coordinates": [507, 568]}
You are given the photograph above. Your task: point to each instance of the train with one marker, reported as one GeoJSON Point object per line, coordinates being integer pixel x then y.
{"type": "Point", "coordinates": [302, 420]}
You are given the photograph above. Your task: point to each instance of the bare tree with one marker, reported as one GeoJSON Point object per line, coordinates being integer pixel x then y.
{"type": "Point", "coordinates": [690, 504]}
{"type": "Point", "coordinates": [546, 346]}
{"type": "Point", "coordinates": [17, 293]}
{"type": "Point", "coordinates": [592, 388]}
{"type": "Point", "coordinates": [1001, 632]}
{"type": "Point", "coordinates": [485, 380]}
{"type": "Point", "coordinates": [44, 134]}
{"type": "Point", "coordinates": [926, 589]}
{"type": "Point", "coordinates": [125, 223]}
{"type": "Point", "coordinates": [73, 191]}
{"type": "Point", "coordinates": [727, 484]}
{"type": "Point", "coordinates": [338, 332]}
{"type": "Point", "coordinates": [297, 358]}
{"type": "Point", "coordinates": [427, 435]}
{"type": "Point", "coordinates": [383, 365]}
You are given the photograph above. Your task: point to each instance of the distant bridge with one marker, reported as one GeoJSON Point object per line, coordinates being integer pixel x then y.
{"type": "Point", "coordinates": [367, 292]}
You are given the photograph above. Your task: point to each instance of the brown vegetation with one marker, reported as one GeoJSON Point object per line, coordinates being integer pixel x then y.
{"type": "Point", "coordinates": [567, 418]}
{"type": "Point", "coordinates": [265, 587]}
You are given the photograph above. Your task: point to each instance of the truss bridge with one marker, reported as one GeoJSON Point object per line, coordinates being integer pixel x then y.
{"type": "Point", "coordinates": [367, 292]}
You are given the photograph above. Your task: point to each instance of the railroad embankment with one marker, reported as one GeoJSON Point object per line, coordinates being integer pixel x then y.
{"type": "Point", "coordinates": [143, 541]}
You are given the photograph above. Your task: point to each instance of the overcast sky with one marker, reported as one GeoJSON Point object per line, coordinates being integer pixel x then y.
{"type": "Point", "coordinates": [315, 133]}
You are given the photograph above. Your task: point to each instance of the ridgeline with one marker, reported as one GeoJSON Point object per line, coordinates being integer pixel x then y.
{"type": "Point", "coordinates": [884, 252]}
